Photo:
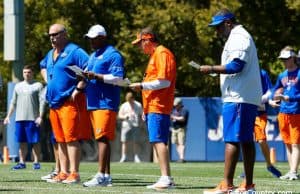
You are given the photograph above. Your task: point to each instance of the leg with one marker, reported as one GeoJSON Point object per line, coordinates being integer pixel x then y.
{"type": "Point", "coordinates": [22, 152]}
{"type": "Point", "coordinates": [248, 149]}
{"type": "Point", "coordinates": [163, 158]}
{"type": "Point", "coordinates": [73, 149]}
{"type": "Point", "coordinates": [36, 152]}
{"type": "Point", "coordinates": [104, 149]}
{"type": "Point", "coordinates": [124, 151]}
{"type": "Point", "coordinates": [180, 150]}
{"type": "Point", "coordinates": [63, 157]}
{"type": "Point", "coordinates": [266, 151]}
{"type": "Point", "coordinates": [232, 151]}
{"type": "Point", "coordinates": [57, 162]}
{"type": "Point", "coordinates": [295, 157]}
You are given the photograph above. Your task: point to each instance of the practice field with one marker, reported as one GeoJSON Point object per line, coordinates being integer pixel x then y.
{"type": "Point", "coordinates": [133, 178]}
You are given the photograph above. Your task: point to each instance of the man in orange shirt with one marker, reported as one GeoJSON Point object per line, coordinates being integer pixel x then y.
{"type": "Point", "coordinates": [158, 89]}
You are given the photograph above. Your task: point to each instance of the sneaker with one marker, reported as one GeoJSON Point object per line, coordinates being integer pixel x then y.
{"type": "Point", "coordinates": [123, 159]}
{"type": "Point", "coordinates": [72, 178]}
{"type": "Point", "coordinates": [276, 173]}
{"type": "Point", "coordinates": [49, 176]}
{"type": "Point", "coordinates": [163, 183]}
{"type": "Point", "coordinates": [58, 178]}
{"type": "Point", "coordinates": [19, 166]}
{"type": "Point", "coordinates": [108, 181]}
{"type": "Point", "coordinates": [242, 175]}
{"type": "Point", "coordinates": [244, 189]}
{"type": "Point", "coordinates": [137, 159]}
{"type": "Point", "coordinates": [290, 176]}
{"type": "Point", "coordinates": [181, 161]}
{"type": "Point", "coordinates": [36, 166]}
{"type": "Point", "coordinates": [222, 188]}
{"type": "Point", "coordinates": [97, 180]}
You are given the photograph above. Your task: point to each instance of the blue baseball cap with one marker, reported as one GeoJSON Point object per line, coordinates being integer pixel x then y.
{"type": "Point", "coordinates": [219, 18]}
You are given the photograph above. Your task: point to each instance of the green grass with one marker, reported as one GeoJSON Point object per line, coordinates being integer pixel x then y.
{"type": "Point", "coordinates": [132, 178]}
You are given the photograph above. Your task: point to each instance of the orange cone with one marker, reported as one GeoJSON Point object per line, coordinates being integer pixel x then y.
{"type": "Point", "coordinates": [273, 155]}
{"type": "Point", "coordinates": [5, 155]}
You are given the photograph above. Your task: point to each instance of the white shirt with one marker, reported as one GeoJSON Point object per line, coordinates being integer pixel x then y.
{"type": "Point", "coordinates": [245, 86]}
{"type": "Point", "coordinates": [133, 113]}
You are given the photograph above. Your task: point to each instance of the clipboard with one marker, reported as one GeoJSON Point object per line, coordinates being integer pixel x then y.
{"type": "Point", "coordinates": [197, 66]}
{"type": "Point", "coordinates": [77, 70]}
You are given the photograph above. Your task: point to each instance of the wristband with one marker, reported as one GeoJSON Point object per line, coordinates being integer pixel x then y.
{"type": "Point", "coordinates": [79, 89]}
{"type": "Point", "coordinates": [141, 86]}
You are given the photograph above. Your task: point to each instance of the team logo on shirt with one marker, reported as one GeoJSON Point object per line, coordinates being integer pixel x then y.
{"type": "Point", "coordinates": [64, 54]}
{"type": "Point", "coordinates": [98, 130]}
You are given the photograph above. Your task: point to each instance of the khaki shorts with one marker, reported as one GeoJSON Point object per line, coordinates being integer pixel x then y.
{"type": "Point", "coordinates": [178, 136]}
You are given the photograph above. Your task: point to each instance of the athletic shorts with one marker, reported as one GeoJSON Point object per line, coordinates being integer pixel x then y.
{"type": "Point", "coordinates": [84, 125]}
{"type": "Point", "coordinates": [130, 134]}
{"type": "Point", "coordinates": [178, 136]}
{"type": "Point", "coordinates": [27, 132]}
{"type": "Point", "coordinates": [238, 122]}
{"type": "Point", "coordinates": [68, 123]}
{"type": "Point", "coordinates": [289, 127]}
{"type": "Point", "coordinates": [158, 126]}
{"type": "Point", "coordinates": [104, 123]}
{"type": "Point", "coordinates": [260, 127]}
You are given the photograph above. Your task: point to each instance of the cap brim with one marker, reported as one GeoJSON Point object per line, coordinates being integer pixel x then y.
{"type": "Point", "coordinates": [136, 41]}
{"type": "Point", "coordinates": [90, 35]}
{"type": "Point", "coordinates": [215, 23]}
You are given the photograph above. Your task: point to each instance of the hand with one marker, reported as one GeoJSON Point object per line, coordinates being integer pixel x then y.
{"type": "Point", "coordinates": [281, 97]}
{"type": "Point", "coordinates": [136, 86]}
{"type": "Point", "coordinates": [6, 121]}
{"type": "Point", "coordinates": [274, 103]}
{"type": "Point", "coordinates": [38, 121]}
{"type": "Point", "coordinates": [205, 69]}
{"type": "Point", "coordinates": [90, 75]}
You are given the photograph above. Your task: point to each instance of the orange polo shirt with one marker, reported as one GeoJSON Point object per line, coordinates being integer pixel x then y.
{"type": "Point", "coordinates": [161, 66]}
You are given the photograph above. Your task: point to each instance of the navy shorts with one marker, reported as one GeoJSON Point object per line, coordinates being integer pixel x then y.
{"type": "Point", "coordinates": [27, 132]}
{"type": "Point", "coordinates": [238, 122]}
{"type": "Point", "coordinates": [158, 126]}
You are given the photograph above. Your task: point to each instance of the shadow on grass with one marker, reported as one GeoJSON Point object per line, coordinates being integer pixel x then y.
{"type": "Point", "coordinates": [11, 190]}
{"type": "Point", "coordinates": [139, 183]}
{"type": "Point", "coordinates": [21, 181]}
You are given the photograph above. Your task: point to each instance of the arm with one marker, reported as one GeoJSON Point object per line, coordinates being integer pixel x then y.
{"type": "Point", "coordinates": [11, 108]}
{"type": "Point", "coordinates": [235, 66]}
{"type": "Point", "coordinates": [152, 85]}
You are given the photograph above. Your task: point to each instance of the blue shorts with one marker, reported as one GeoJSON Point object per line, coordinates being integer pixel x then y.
{"type": "Point", "coordinates": [27, 132]}
{"type": "Point", "coordinates": [158, 126]}
{"type": "Point", "coordinates": [238, 122]}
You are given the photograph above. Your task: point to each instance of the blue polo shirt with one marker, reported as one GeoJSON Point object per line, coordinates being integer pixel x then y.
{"type": "Point", "coordinates": [290, 83]}
{"type": "Point", "coordinates": [61, 80]}
{"type": "Point", "coordinates": [100, 95]}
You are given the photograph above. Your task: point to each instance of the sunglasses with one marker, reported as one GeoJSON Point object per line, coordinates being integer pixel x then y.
{"type": "Point", "coordinates": [55, 34]}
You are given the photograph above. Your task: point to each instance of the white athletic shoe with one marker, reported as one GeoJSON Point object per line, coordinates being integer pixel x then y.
{"type": "Point", "coordinates": [290, 176]}
{"type": "Point", "coordinates": [137, 159]}
{"type": "Point", "coordinates": [163, 182]}
{"type": "Point", "coordinates": [98, 180]}
{"type": "Point", "coordinates": [49, 176]}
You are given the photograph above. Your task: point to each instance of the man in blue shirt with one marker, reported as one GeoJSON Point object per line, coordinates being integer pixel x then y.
{"type": "Point", "coordinates": [104, 72]}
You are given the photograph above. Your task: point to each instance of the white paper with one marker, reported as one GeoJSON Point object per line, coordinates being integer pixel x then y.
{"type": "Point", "coordinates": [77, 70]}
{"type": "Point", "coordinates": [197, 66]}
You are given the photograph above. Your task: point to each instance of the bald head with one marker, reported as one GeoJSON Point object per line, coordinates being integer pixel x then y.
{"type": "Point", "coordinates": [58, 36]}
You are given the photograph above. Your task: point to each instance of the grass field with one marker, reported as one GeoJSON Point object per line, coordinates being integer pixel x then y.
{"type": "Point", "coordinates": [132, 178]}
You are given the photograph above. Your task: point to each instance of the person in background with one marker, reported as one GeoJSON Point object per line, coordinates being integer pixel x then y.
{"type": "Point", "coordinates": [286, 96]}
{"type": "Point", "coordinates": [241, 94]}
{"type": "Point", "coordinates": [158, 88]}
{"type": "Point", "coordinates": [261, 123]}
{"type": "Point", "coordinates": [130, 114]}
{"type": "Point", "coordinates": [26, 102]}
{"type": "Point", "coordinates": [104, 72]}
{"type": "Point", "coordinates": [179, 119]}
{"type": "Point", "coordinates": [69, 122]}
{"type": "Point", "coordinates": [53, 142]}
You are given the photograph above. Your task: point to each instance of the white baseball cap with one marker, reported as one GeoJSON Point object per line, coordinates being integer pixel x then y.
{"type": "Point", "coordinates": [96, 30]}
{"type": "Point", "coordinates": [284, 54]}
